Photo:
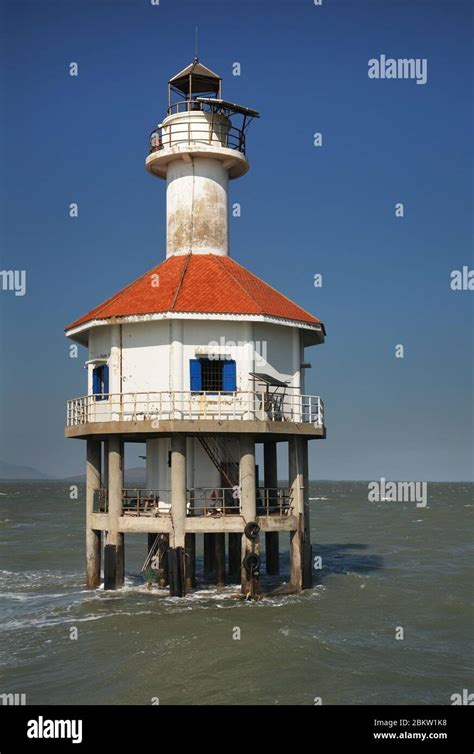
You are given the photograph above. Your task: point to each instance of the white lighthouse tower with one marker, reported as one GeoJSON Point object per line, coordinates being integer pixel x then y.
{"type": "Point", "coordinates": [201, 360]}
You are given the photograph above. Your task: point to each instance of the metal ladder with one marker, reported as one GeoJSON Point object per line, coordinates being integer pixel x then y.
{"type": "Point", "coordinates": [153, 551]}
{"type": "Point", "coordinates": [218, 452]}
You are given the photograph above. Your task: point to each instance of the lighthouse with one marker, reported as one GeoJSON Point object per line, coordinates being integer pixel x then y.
{"type": "Point", "coordinates": [201, 360]}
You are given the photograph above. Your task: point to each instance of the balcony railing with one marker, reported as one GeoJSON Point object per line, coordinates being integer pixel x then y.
{"type": "Point", "coordinates": [195, 131]}
{"type": "Point", "coordinates": [216, 501]}
{"type": "Point", "coordinates": [202, 501]}
{"type": "Point", "coordinates": [198, 406]}
{"type": "Point", "coordinates": [207, 126]}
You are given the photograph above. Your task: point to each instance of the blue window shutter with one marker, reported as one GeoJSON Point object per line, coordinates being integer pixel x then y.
{"type": "Point", "coordinates": [95, 382]}
{"type": "Point", "coordinates": [229, 378]}
{"type": "Point", "coordinates": [105, 378]}
{"type": "Point", "coordinates": [195, 381]}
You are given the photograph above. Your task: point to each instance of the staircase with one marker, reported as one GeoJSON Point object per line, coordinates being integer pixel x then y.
{"type": "Point", "coordinates": [217, 450]}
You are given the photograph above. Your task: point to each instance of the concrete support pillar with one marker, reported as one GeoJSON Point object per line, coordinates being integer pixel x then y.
{"type": "Point", "coordinates": [234, 548]}
{"type": "Point", "coordinates": [248, 501]}
{"type": "Point", "coordinates": [295, 473]}
{"type": "Point", "coordinates": [307, 550]}
{"type": "Point", "coordinates": [178, 513]}
{"type": "Point", "coordinates": [220, 559]}
{"type": "Point", "coordinates": [190, 562]}
{"type": "Point", "coordinates": [105, 465]}
{"type": "Point", "coordinates": [272, 554]}
{"type": "Point", "coordinates": [114, 559]}
{"type": "Point", "coordinates": [93, 536]}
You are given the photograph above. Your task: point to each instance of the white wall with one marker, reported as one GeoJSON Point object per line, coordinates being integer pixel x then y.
{"type": "Point", "coordinates": [155, 355]}
{"type": "Point", "coordinates": [277, 347]}
{"type": "Point", "coordinates": [145, 357]}
{"type": "Point", "coordinates": [99, 342]}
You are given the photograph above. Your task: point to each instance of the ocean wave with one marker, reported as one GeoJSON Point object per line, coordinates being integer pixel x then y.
{"type": "Point", "coordinates": [44, 622]}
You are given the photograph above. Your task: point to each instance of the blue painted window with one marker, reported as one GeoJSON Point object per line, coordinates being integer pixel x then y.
{"type": "Point", "coordinates": [196, 380]}
{"type": "Point", "coordinates": [212, 375]}
{"type": "Point", "coordinates": [100, 382]}
{"type": "Point", "coordinates": [229, 376]}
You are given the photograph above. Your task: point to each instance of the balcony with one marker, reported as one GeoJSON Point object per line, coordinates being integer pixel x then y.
{"type": "Point", "coordinates": [192, 122]}
{"type": "Point", "coordinates": [209, 502]}
{"type": "Point", "coordinates": [181, 406]}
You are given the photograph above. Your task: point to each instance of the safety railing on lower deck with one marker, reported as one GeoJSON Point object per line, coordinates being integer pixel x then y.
{"type": "Point", "coordinates": [274, 501]}
{"type": "Point", "coordinates": [202, 501]}
{"type": "Point", "coordinates": [214, 501]}
{"type": "Point", "coordinates": [199, 405]}
{"type": "Point", "coordinates": [135, 502]}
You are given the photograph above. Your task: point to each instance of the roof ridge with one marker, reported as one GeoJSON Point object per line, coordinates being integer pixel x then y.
{"type": "Point", "coordinates": [273, 289]}
{"type": "Point", "coordinates": [180, 282]}
{"type": "Point", "coordinates": [260, 311]}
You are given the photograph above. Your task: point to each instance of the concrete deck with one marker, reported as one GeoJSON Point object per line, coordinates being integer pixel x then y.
{"type": "Point", "coordinates": [139, 431]}
{"type": "Point", "coordinates": [193, 524]}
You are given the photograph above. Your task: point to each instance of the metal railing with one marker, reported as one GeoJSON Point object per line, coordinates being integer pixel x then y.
{"type": "Point", "coordinates": [199, 405]}
{"type": "Point", "coordinates": [190, 105]}
{"type": "Point", "coordinates": [214, 501]}
{"type": "Point", "coordinates": [202, 501]}
{"type": "Point", "coordinates": [135, 502]}
{"type": "Point", "coordinates": [274, 501]}
{"type": "Point", "coordinates": [209, 127]}
{"type": "Point", "coordinates": [196, 132]}
{"type": "Point", "coordinates": [141, 502]}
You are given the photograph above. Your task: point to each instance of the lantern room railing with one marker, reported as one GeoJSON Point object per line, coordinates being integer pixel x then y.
{"type": "Point", "coordinates": [196, 405]}
{"type": "Point", "coordinates": [195, 131]}
{"type": "Point", "coordinates": [207, 127]}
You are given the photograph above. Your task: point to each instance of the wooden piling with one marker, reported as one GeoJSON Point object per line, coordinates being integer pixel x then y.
{"type": "Point", "coordinates": [190, 562]}
{"type": "Point", "coordinates": [176, 571]}
{"type": "Point", "coordinates": [110, 567]}
{"type": "Point", "coordinates": [234, 547]}
{"type": "Point", "coordinates": [220, 559]}
{"type": "Point", "coordinates": [162, 552]}
{"type": "Point", "coordinates": [209, 556]}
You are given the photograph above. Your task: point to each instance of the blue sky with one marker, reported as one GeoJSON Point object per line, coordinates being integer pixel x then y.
{"type": "Point", "coordinates": [305, 210]}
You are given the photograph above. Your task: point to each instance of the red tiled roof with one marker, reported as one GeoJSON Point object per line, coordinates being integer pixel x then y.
{"type": "Point", "coordinates": [198, 283]}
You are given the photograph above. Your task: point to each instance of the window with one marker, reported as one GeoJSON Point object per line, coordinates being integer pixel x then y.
{"type": "Point", "coordinates": [100, 382]}
{"type": "Point", "coordinates": [213, 375]}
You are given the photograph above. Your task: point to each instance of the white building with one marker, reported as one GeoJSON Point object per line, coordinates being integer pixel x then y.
{"type": "Point", "coordinates": [200, 359]}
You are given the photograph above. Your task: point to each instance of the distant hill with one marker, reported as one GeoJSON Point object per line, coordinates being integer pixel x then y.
{"type": "Point", "coordinates": [134, 476]}
{"type": "Point", "coordinates": [12, 471]}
